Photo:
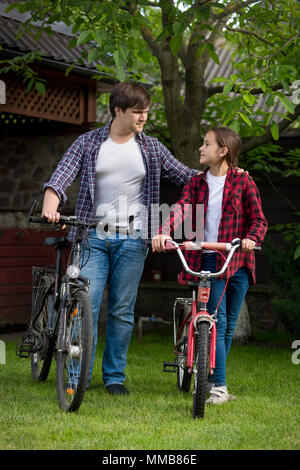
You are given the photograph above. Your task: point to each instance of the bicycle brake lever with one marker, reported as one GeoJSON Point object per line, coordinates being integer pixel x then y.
{"type": "Point", "coordinates": [33, 208]}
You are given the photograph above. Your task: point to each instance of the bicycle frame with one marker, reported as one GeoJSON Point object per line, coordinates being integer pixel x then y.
{"type": "Point", "coordinates": [195, 342]}
{"type": "Point", "coordinates": [63, 283]}
{"type": "Point", "coordinates": [192, 319]}
{"type": "Point", "coordinates": [202, 297]}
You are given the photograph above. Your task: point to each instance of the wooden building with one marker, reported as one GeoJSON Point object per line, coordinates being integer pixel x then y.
{"type": "Point", "coordinates": [35, 131]}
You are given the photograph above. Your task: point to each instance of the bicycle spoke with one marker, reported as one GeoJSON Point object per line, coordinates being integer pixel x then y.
{"type": "Point", "coordinates": [74, 362]}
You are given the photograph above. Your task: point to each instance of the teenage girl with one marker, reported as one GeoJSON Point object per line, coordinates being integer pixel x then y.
{"type": "Point", "coordinates": [232, 209]}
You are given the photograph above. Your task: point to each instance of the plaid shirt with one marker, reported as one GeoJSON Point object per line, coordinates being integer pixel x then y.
{"type": "Point", "coordinates": [82, 156]}
{"type": "Point", "coordinates": [242, 217]}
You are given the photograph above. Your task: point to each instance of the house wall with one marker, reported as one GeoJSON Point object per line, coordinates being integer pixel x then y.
{"type": "Point", "coordinates": [26, 163]}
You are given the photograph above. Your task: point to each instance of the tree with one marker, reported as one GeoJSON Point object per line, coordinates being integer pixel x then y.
{"type": "Point", "coordinates": [138, 38]}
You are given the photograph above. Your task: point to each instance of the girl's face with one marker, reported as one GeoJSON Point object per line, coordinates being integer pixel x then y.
{"type": "Point", "coordinates": [210, 152]}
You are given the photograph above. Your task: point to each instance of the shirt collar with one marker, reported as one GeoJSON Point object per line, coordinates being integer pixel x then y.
{"type": "Point", "coordinates": [105, 133]}
{"type": "Point", "coordinates": [228, 176]}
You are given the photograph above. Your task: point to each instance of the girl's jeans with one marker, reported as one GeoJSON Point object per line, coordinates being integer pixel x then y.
{"type": "Point", "coordinates": [117, 262]}
{"type": "Point", "coordinates": [228, 311]}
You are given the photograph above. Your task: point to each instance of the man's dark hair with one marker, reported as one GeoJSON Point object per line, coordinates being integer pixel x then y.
{"type": "Point", "coordinates": [128, 95]}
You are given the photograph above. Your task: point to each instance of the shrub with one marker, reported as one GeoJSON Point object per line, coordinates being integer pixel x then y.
{"type": "Point", "coordinates": [284, 275]}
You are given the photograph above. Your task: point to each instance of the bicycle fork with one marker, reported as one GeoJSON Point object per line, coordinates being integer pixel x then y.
{"type": "Point", "coordinates": [196, 317]}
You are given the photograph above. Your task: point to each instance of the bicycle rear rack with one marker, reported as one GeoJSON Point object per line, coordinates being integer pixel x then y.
{"type": "Point", "coordinates": [170, 367]}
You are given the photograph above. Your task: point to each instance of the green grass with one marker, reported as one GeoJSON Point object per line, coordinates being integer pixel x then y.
{"type": "Point", "coordinates": [156, 416]}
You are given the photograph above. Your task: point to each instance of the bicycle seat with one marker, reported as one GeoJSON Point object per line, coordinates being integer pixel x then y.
{"type": "Point", "coordinates": [58, 243]}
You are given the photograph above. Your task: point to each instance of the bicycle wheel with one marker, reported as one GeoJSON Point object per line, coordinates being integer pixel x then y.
{"type": "Point", "coordinates": [201, 369]}
{"type": "Point", "coordinates": [73, 364]}
{"type": "Point", "coordinates": [184, 377]}
{"type": "Point", "coordinates": [41, 323]}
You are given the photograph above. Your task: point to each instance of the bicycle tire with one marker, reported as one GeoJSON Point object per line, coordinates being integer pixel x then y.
{"type": "Point", "coordinates": [41, 360]}
{"type": "Point", "coordinates": [201, 369]}
{"type": "Point", "coordinates": [72, 365]}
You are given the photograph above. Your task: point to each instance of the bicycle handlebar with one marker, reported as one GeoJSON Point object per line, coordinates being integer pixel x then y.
{"type": "Point", "coordinates": [63, 220]}
{"type": "Point", "coordinates": [171, 245]}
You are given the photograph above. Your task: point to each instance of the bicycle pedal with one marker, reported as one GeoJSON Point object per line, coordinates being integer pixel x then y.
{"type": "Point", "coordinates": [30, 344]}
{"type": "Point", "coordinates": [23, 350]}
{"type": "Point", "coordinates": [170, 367]}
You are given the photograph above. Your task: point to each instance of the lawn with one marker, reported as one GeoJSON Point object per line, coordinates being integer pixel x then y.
{"type": "Point", "coordinates": [157, 416]}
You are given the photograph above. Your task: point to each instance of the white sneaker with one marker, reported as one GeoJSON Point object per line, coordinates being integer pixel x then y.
{"type": "Point", "coordinates": [209, 386]}
{"type": "Point", "coordinates": [218, 395]}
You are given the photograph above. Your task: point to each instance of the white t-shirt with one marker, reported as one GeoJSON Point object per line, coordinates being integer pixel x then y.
{"type": "Point", "coordinates": [120, 173]}
{"type": "Point", "coordinates": [214, 206]}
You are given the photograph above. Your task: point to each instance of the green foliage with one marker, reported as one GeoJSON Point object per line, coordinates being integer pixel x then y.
{"type": "Point", "coordinates": [272, 163]}
{"type": "Point", "coordinates": [270, 159]}
{"type": "Point", "coordinates": [128, 37]}
{"type": "Point", "coordinates": [284, 273]}
{"type": "Point", "coordinates": [20, 66]}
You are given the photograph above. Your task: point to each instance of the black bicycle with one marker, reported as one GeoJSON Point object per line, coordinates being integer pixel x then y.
{"type": "Point", "coordinates": [61, 319]}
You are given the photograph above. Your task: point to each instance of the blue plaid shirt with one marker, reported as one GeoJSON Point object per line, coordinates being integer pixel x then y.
{"type": "Point", "coordinates": [81, 158]}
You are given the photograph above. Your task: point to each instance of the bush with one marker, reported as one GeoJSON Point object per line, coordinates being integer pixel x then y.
{"type": "Point", "coordinates": [284, 274]}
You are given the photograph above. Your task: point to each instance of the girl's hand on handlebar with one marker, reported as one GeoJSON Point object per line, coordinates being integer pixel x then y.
{"type": "Point", "coordinates": [158, 242]}
{"type": "Point", "coordinates": [247, 244]}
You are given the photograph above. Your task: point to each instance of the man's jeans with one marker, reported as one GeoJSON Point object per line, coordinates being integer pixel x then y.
{"type": "Point", "coordinates": [117, 262]}
{"type": "Point", "coordinates": [228, 311]}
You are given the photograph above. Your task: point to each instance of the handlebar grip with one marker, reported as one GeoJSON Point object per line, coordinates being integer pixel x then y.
{"type": "Point", "coordinates": [38, 220]}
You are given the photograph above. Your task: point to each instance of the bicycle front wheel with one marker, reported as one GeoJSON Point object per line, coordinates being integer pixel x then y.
{"type": "Point", "coordinates": [73, 363]}
{"type": "Point", "coordinates": [201, 369]}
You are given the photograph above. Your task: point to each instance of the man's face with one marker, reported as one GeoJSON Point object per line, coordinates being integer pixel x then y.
{"type": "Point", "coordinates": [132, 120]}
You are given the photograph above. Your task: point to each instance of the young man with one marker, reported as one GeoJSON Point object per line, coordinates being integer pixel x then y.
{"type": "Point", "coordinates": [120, 169]}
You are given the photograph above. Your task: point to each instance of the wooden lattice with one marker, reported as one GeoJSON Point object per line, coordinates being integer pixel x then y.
{"type": "Point", "coordinates": [61, 102]}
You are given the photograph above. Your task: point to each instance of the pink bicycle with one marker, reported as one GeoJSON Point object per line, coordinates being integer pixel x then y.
{"type": "Point", "coordinates": [195, 328]}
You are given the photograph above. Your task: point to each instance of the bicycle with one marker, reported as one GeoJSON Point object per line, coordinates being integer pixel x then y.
{"type": "Point", "coordinates": [61, 318]}
{"type": "Point", "coordinates": [195, 329]}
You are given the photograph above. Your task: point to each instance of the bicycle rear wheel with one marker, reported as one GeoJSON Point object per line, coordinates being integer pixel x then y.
{"type": "Point", "coordinates": [41, 323]}
{"type": "Point", "coordinates": [184, 377]}
{"type": "Point", "coordinates": [73, 364]}
{"type": "Point", "coordinates": [201, 369]}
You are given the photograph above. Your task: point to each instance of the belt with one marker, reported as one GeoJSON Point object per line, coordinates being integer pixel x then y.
{"type": "Point", "coordinates": [125, 229]}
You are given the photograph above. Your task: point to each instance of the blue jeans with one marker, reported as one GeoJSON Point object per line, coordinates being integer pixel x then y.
{"type": "Point", "coordinates": [117, 262]}
{"type": "Point", "coordinates": [228, 311]}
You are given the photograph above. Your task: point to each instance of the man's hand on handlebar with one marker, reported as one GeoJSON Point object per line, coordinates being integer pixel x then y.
{"type": "Point", "coordinates": [52, 217]}
{"type": "Point", "coordinates": [158, 242]}
{"type": "Point", "coordinates": [50, 205]}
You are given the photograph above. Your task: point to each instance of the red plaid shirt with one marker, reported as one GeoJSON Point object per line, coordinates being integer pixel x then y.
{"type": "Point", "coordinates": [242, 217]}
